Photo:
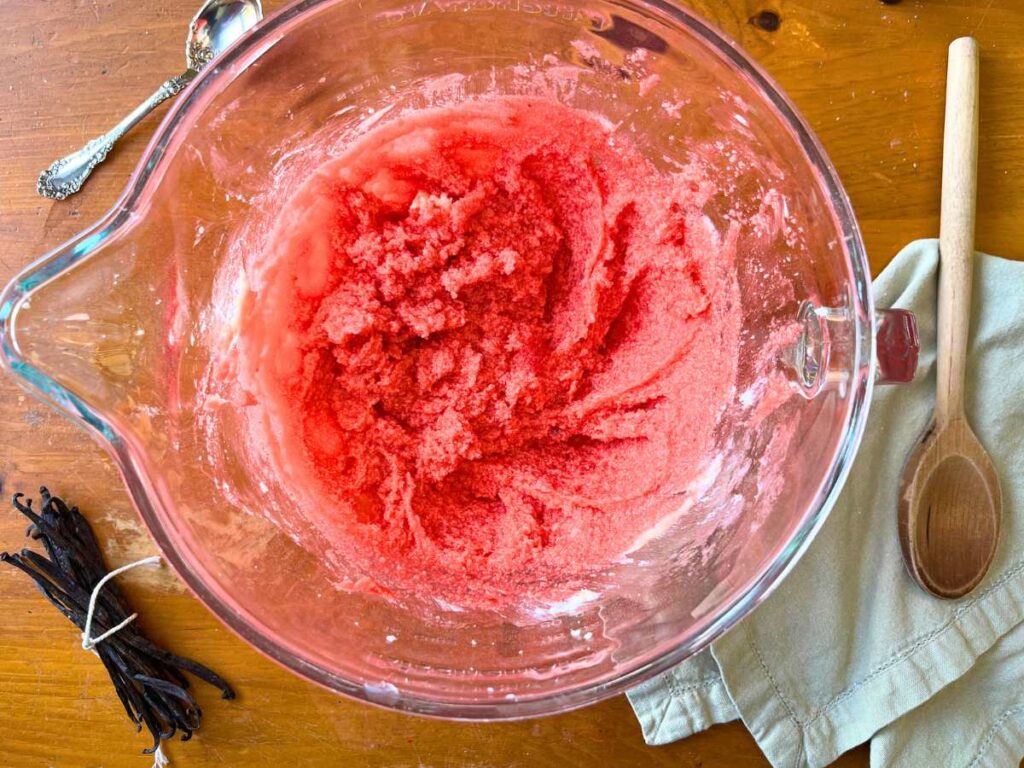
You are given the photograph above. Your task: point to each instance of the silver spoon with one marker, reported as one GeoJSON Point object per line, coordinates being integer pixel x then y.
{"type": "Point", "coordinates": [216, 26]}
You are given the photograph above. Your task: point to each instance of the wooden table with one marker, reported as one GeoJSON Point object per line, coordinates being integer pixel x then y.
{"type": "Point", "coordinates": [869, 78]}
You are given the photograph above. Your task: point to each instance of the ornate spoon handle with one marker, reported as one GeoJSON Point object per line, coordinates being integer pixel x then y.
{"type": "Point", "coordinates": [67, 175]}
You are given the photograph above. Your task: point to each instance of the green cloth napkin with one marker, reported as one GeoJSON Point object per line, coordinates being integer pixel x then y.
{"type": "Point", "coordinates": [848, 648]}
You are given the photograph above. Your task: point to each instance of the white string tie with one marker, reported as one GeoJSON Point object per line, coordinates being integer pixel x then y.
{"type": "Point", "coordinates": [89, 643]}
{"type": "Point", "coordinates": [159, 758]}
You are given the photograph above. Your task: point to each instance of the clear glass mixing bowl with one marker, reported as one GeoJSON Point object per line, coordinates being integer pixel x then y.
{"type": "Point", "coordinates": [113, 328]}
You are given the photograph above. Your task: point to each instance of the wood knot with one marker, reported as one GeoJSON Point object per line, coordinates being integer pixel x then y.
{"type": "Point", "coordinates": [891, 2]}
{"type": "Point", "coordinates": [769, 21]}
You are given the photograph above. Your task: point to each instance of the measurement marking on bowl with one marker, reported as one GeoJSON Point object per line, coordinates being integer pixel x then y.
{"type": "Point", "coordinates": [554, 11]}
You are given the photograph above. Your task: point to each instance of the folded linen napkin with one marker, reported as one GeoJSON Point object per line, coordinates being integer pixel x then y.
{"type": "Point", "coordinates": [848, 647]}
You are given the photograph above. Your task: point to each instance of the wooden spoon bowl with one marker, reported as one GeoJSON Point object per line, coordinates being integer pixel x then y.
{"type": "Point", "coordinates": [950, 511]}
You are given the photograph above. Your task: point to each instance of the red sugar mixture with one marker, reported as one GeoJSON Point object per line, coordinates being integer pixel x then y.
{"type": "Point", "coordinates": [487, 346]}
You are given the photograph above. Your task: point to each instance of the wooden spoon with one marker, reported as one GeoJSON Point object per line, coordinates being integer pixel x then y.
{"type": "Point", "coordinates": [950, 502]}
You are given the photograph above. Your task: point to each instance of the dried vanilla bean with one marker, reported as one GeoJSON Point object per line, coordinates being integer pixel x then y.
{"type": "Point", "coordinates": [148, 680]}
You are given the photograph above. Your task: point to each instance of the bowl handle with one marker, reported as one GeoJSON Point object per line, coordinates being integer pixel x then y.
{"type": "Point", "coordinates": [897, 346]}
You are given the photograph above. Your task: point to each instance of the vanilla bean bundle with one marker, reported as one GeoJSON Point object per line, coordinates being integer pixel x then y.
{"type": "Point", "coordinates": [148, 680]}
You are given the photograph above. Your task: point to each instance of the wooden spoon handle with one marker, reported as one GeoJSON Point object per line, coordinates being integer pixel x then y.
{"type": "Point", "coordinates": [956, 228]}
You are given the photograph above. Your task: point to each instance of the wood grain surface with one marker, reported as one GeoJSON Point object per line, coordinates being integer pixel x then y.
{"type": "Point", "coordinates": [868, 76]}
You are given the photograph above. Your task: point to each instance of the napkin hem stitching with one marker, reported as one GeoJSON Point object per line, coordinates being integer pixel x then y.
{"type": "Point", "coordinates": [991, 734]}
{"type": "Point", "coordinates": [774, 684]}
{"type": "Point", "coordinates": [678, 690]}
{"type": "Point", "coordinates": [799, 759]}
{"type": "Point", "coordinates": [900, 656]}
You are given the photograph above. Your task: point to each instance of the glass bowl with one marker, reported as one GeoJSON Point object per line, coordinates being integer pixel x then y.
{"type": "Point", "coordinates": [114, 328]}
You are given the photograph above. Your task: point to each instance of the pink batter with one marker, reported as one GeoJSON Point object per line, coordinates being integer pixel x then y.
{"type": "Point", "coordinates": [488, 346]}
